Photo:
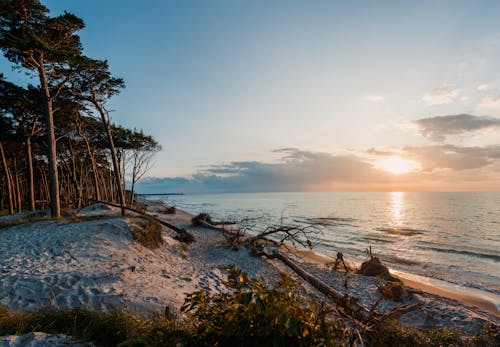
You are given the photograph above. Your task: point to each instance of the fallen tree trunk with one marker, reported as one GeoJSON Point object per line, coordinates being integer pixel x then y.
{"type": "Point", "coordinates": [345, 301]}
{"type": "Point", "coordinates": [188, 238]}
{"type": "Point", "coordinates": [350, 304]}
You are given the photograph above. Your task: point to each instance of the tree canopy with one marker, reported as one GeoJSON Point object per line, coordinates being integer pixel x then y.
{"type": "Point", "coordinates": [58, 145]}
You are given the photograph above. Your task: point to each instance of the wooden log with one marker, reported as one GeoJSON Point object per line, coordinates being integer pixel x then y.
{"type": "Point", "coordinates": [180, 231]}
{"type": "Point", "coordinates": [348, 303]}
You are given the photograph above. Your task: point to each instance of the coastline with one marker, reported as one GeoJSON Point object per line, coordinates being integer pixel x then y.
{"type": "Point", "coordinates": [425, 284]}
{"type": "Point", "coordinates": [97, 264]}
{"type": "Point", "coordinates": [466, 299]}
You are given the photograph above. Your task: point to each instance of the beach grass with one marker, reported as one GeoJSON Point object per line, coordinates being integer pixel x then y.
{"type": "Point", "coordinates": [147, 232]}
{"type": "Point", "coordinates": [256, 313]}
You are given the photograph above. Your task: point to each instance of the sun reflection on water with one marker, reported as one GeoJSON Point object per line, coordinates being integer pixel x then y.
{"type": "Point", "coordinates": [397, 207]}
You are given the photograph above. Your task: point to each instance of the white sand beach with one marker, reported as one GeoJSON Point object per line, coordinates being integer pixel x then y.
{"type": "Point", "coordinates": [96, 264]}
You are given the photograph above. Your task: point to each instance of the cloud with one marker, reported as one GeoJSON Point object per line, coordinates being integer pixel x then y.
{"type": "Point", "coordinates": [443, 95]}
{"type": "Point", "coordinates": [374, 98]}
{"type": "Point", "coordinates": [301, 170]}
{"type": "Point", "coordinates": [490, 101]}
{"type": "Point", "coordinates": [483, 87]}
{"type": "Point", "coordinates": [379, 152]}
{"type": "Point", "coordinates": [297, 170]}
{"type": "Point", "coordinates": [437, 128]}
{"type": "Point", "coordinates": [452, 157]}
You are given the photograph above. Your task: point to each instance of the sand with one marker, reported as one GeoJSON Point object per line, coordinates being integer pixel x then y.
{"type": "Point", "coordinates": [38, 339]}
{"type": "Point", "coordinates": [422, 284]}
{"type": "Point", "coordinates": [96, 264]}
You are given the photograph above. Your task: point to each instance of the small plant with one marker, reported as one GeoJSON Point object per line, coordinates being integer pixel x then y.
{"type": "Point", "coordinates": [148, 232]}
{"type": "Point", "coordinates": [202, 218]}
{"type": "Point", "coordinates": [183, 250]}
{"type": "Point", "coordinates": [169, 210]}
{"type": "Point", "coordinates": [392, 291]}
{"type": "Point", "coordinates": [234, 239]}
{"type": "Point", "coordinates": [140, 206]}
{"type": "Point", "coordinates": [183, 236]}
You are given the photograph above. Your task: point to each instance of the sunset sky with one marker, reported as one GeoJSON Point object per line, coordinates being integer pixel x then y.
{"type": "Point", "coordinates": [305, 95]}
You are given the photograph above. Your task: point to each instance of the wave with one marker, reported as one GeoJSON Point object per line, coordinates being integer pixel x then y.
{"type": "Point", "coordinates": [398, 260]}
{"type": "Point", "coordinates": [377, 239]}
{"type": "Point", "coordinates": [403, 231]}
{"type": "Point", "coordinates": [494, 257]}
{"type": "Point", "coordinates": [328, 221]}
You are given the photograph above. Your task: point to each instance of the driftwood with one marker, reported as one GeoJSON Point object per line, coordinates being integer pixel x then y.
{"type": "Point", "coordinates": [205, 218]}
{"type": "Point", "coordinates": [363, 316]}
{"type": "Point", "coordinates": [182, 234]}
{"type": "Point", "coordinates": [350, 304]}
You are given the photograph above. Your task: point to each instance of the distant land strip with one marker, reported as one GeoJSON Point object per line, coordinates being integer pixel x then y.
{"type": "Point", "coordinates": [161, 194]}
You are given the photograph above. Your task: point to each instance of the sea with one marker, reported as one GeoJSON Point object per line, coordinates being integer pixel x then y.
{"type": "Point", "coordinates": [451, 238]}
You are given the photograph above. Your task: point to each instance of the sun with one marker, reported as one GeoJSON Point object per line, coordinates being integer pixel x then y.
{"type": "Point", "coordinates": [397, 165]}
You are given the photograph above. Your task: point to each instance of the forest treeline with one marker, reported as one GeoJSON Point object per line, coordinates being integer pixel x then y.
{"type": "Point", "coordinates": [58, 146]}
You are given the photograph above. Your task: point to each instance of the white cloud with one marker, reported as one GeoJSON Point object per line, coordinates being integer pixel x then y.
{"type": "Point", "coordinates": [443, 95]}
{"type": "Point", "coordinates": [374, 98]}
{"type": "Point", "coordinates": [483, 87]}
{"type": "Point", "coordinates": [490, 101]}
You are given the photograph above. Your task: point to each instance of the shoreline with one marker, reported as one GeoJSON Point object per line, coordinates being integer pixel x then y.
{"type": "Point", "coordinates": [97, 264]}
{"type": "Point", "coordinates": [426, 284]}
{"type": "Point", "coordinates": [483, 300]}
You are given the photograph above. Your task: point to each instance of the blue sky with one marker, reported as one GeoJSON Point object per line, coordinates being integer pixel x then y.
{"type": "Point", "coordinates": [225, 86]}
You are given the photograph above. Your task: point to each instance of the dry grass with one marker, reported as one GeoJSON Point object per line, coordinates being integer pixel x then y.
{"type": "Point", "coordinates": [119, 327]}
{"type": "Point", "coordinates": [147, 232]}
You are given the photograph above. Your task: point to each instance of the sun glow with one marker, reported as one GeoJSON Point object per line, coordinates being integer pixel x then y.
{"type": "Point", "coordinates": [397, 165]}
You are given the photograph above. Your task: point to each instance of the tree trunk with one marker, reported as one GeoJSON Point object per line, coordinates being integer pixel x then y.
{"type": "Point", "coordinates": [31, 183]}
{"type": "Point", "coordinates": [97, 195]}
{"type": "Point", "coordinates": [73, 176]}
{"type": "Point", "coordinates": [55, 204]}
{"type": "Point", "coordinates": [18, 198]}
{"type": "Point", "coordinates": [116, 165]}
{"type": "Point", "coordinates": [7, 176]}
{"type": "Point", "coordinates": [132, 193]}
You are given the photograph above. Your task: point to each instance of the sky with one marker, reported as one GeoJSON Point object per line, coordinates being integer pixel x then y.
{"type": "Point", "coordinates": [305, 95]}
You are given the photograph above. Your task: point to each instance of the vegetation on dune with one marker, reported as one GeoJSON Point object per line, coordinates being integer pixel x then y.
{"type": "Point", "coordinates": [148, 232]}
{"type": "Point", "coordinates": [254, 313]}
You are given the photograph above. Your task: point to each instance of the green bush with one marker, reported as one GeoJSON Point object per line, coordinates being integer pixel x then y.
{"type": "Point", "coordinates": [257, 313]}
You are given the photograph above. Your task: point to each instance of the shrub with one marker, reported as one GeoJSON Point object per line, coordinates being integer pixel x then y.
{"type": "Point", "coordinates": [257, 313]}
{"type": "Point", "coordinates": [148, 232]}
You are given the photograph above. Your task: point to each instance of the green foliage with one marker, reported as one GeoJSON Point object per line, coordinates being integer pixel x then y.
{"type": "Point", "coordinates": [254, 313]}
{"type": "Point", "coordinates": [257, 313]}
{"type": "Point", "coordinates": [391, 334]}
{"type": "Point", "coordinates": [489, 336]}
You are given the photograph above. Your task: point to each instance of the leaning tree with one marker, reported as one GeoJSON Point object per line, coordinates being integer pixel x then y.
{"type": "Point", "coordinates": [45, 45]}
{"type": "Point", "coordinates": [94, 85]}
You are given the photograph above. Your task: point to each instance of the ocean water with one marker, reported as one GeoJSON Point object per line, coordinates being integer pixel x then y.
{"type": "Point", "coordinates": [453, 237]}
